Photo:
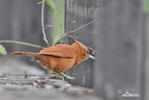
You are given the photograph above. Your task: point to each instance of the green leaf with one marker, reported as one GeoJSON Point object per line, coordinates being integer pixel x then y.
{"type": "Point", "coordinates": [146, 6]}
{"type": "Point", "coordinates": [57, 38]}
{"type": "Point", "coordinates": [3, 50]}
{"type": "Point", "coordinates": [52, 5]}
{"type": "Point", "coordinates": [58, 15]}
{"type": "Point", "coordinates": [41, 2]}
{"type": "Point", "coordinates": [54, 12]}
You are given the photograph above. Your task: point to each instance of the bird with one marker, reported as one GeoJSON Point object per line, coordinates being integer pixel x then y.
{"type": "Point", "coordinates": [61, 57]}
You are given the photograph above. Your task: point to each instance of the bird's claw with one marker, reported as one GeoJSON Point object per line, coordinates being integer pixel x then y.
{"type": "Point", "coordinates": [67, 76]}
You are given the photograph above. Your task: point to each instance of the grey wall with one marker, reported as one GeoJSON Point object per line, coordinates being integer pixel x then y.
{"type": "Point", "coordinates": [20, 20]}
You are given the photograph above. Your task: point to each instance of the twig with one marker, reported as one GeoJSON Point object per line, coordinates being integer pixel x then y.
{"type": "Point", "coordinates": [80, 27]}
{"type": "Point", "coordinates": [66, 33]}
{"type": "Point", "coordinates": [42, 24]}
{"type": "Point", "coordinates": [22, 43]}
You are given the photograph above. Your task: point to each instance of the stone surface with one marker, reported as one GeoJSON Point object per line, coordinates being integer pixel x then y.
{"type": "Point", "coordinates": [19, 81]}
{"type": "Point", "coordinates": [37, 87]}
{"type": "Point", "coordinates": [9, 64]}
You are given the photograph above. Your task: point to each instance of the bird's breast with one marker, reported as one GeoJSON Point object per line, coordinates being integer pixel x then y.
{"type": "Point", "coordinates": [60, 63]}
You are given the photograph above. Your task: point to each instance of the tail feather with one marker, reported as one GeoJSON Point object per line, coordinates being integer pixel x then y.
{"type": "Point", "coordinates": [31, 54]}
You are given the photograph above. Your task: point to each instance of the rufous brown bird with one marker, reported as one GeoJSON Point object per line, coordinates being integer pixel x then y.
{"type": "Point", "coordinates": [61, 57]}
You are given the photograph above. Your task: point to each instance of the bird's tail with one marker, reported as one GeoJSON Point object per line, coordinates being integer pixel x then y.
{"type": "Point", "coordinates": [31, 54]}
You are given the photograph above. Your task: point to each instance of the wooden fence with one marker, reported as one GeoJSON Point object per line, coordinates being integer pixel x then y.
{"type": "Point", "coordinates": [79, 13]}
{"type": "Point", "coordinates": [117, 34]}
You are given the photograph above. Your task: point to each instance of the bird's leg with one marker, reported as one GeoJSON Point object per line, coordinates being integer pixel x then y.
{"type": "Point", "coordinates": [66, 76]}
{"type": "Point", "coordinates": [63, 74]}
{"type": "Point", "coordinates": [57, 76]}
{"type": "Point", "coordinates": [53, 74]}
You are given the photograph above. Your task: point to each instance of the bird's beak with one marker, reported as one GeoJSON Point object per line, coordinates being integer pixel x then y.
{"type": "Point", "coordinates": [90, 56]}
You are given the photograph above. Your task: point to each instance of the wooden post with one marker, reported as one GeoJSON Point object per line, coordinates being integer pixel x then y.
{"type": "Point", "coordinates": [118, 40]}
{"type": "Point", "coordinates": [77, 14]}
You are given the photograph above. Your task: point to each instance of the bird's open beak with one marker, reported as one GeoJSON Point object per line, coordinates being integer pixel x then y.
{"type": "Point", "coordinates": [90, 56]}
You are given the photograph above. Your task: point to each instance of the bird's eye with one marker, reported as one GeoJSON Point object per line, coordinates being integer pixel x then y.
{"type": "Point", "coordinates": [87, 53]}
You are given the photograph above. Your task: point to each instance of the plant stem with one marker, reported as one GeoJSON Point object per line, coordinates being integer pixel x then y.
{"type": "Point", "coordinates": [42, 24]}
{"type": "Point", "coordinates": [21, 43]}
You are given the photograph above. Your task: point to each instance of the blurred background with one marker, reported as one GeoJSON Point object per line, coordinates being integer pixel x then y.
{"type": "Point", "coordinates": [118, 32]}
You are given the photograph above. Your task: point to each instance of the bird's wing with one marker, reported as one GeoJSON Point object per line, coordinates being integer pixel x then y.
{"type": "Point", "coordinates": [60, 50]}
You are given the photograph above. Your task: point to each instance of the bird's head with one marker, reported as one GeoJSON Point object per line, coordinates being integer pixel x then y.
{"type": "Point", "coordinates": [83, 51]}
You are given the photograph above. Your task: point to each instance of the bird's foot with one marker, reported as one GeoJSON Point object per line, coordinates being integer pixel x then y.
{"type": "Point", "coordinates": [66, 76]}
{"type": "Point", "coordinates": [56, 76]}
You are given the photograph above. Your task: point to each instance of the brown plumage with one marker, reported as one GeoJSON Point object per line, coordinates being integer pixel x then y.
{"type": "Point", "coordinates": [61, 57]}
